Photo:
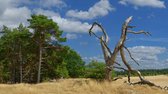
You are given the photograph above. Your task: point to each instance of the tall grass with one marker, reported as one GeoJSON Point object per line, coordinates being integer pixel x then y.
{"type": "Point", "coordinates": [83, 86]}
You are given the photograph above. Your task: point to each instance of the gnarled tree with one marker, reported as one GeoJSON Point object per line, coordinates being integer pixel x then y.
{"type": "Point", "coordinates": [110, 57]}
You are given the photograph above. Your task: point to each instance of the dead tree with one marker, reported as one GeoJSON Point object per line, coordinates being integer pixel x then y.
{"type": "Point", "coordinates": [110, 57]}
{"type": "Point", "coordinates": [106, 51]}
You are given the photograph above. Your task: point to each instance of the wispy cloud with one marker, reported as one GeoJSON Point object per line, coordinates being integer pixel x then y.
{"type": "Point", "coordinates": [52, 3]}
{"type": "Point", "coordinates": [162, 40]}
{"type": "Point", "coordinates": [98, 58]}
{"type": "Point", "coordinates": [147, 56]}
{"type": "Point", "coordinates": [151, 16]}
{"type": "Point", "coordinates": [75, 26]}
{"type": "Point", "coordinates": [83, 43]}
{"type": "Point", "coordinates": [142, 53]}
{"type": "Point", "coordinates": [71, 36]}
{"type": "Point", "coordinates": [47, 4]}
{"type": "Point", "coordinates": [101, 8]}
{"type": "Point", "coordinates": [48, 13]}
{"type": "Point", "coordinates": [144, 3]}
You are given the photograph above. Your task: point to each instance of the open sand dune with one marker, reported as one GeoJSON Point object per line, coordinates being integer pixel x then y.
{"type": "Point", "coordinates": [87, 86]}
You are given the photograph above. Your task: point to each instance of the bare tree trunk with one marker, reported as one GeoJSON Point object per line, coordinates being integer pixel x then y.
{"type": "Point", "coordinates": [108, 73]}
{"type": "Point", "coordinates": [106, 58]}
{"type": "Point", "coordinates": [21, 64]}
{"type": "Point", "coordinates": [39, 65]}
{"type": "Point", "coordinates": [13, 78]}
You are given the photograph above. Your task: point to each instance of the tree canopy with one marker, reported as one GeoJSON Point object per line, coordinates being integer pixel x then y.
{"type": "Point", "coordinates": [37, 55]}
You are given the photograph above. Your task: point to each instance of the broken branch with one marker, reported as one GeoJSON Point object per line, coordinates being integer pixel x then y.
{"type": "Point", "coordinates": [131, 55]}
{"type": "Point", "coordinates": [139, 32]}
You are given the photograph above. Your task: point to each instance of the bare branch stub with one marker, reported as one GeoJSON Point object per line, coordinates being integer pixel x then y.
{"type": "Point", "coordinates": [139, 32]}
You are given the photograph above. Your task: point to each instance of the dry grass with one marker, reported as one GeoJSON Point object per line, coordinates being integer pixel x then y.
{"type": "Point", "coordinates": [86, 86]}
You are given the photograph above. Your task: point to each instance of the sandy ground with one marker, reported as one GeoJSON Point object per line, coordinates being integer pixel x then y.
{"type": "Point", "coordinates": [87, 86]}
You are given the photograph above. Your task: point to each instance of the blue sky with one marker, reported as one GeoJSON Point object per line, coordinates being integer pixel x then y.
{"type": "Point", "coordinates": [75, 17]}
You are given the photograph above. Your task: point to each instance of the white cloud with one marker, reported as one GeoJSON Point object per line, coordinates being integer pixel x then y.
{"type": "Point", "coordinates": [68, 25]}
{"type": "Point", "coordinates": [146, 56]}
{"type": "Point", "coordinates": [52, 3]}
{"type": "Point", "coordinates": [41, 3]}
{"type": "Point", "coordinates": [142, 53]}
{"type": "Point", "coordinates": [147, 49]}
{"type": "Point", "coordinates": [48, 13]}
{"type": "Point", "coordinates": [144, 3]}
{"type": "Point", "coordinates": [11, 14]}
{"type": "Point", "coordinates": [160, 40]}
{"type": "Point", "coordinates": [101, 8]}
{"type": "Point", "coordinates": [3, 5]}
{"type": "Point", "coordinates": [71, 36]}
{"type": "Point", "coordinates": [12, 17]}
{"type": "Point", "coordinates": [97, 58]}
{"type": "Point", "coordinates": [6, 4]}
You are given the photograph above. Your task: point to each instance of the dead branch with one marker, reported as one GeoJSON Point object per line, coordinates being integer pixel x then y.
{"type": "Point", "coordinates": [57, 48]}
{"type": "Point", "coordinates": [122, 38]}
{"type": "Point", "coordinates": [142, 80]}
{"type": "Point", "coordinates": [102, 29]}
{"type": "Point", "coordinates": [131, 55]}
{"type": "Point", "coordinates": [139, 32]}
{"type": "Point", "coordinates": [120, 68]}
{"type": "Point", "coordinates": [131, 26]}
{"type": "Point", "coordinates": [105, 45]}
{"type": "Point", "coordinates": [117, 78]}
{"type": "Point", "coordinates": [103, 41]}
{"type": "Point", "coordinates": [117, 63]}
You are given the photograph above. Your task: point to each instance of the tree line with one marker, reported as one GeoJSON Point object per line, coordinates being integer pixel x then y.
{"type": "Point", "coordinates": [33, 54]}
{"type": "Point", "coordinates": [96, 70]}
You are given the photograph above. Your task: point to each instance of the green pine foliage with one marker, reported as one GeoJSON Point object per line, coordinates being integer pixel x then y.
{"type": "Point", "coordinates": [19, 53]}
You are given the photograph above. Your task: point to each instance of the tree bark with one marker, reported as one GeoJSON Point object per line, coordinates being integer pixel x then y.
{"type": "Point", "coordinates": [21, 64]}
{"type": "Point", "coordinates": [39, 65]}
{"type": "Point", "coordinates": [108, 70]}
{"type": "Point", "coordinates": [13, 73]}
